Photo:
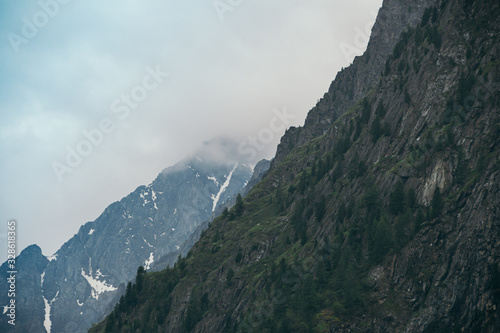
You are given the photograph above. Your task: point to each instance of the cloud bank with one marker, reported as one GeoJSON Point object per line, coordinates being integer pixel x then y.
{"type": "Point", "coordinates": [133, 87]}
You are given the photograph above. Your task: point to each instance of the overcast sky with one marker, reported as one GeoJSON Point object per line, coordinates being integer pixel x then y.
{"type": "Point", "coordinates": [156, 79]}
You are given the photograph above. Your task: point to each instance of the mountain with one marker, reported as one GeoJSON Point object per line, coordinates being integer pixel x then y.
{"type": "Point", "coordinates": [81, 283]}
{"type": "Point", "coordinates": [170, 259]}
{"type": "Point", "coordinates": [381, 214]}
{"type": "Point", "coordinates": [30, 265]}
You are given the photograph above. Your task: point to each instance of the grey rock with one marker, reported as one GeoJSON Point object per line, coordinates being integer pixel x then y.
{"type": "Point", "coordinates": [88, 274]}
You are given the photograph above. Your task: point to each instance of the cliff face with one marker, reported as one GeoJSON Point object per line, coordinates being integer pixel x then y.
{"type": "Point", "coordinates": [380, 215]}
{"type": "Point", "coordinates": [441, 95]}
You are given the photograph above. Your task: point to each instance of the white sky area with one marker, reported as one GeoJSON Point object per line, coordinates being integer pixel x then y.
{"type": "Point", "coordinates": [225, 78]}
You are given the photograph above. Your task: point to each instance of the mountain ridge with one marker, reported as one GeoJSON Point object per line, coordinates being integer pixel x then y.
{"type": "Point", "coordinates": [384, 220]}
{"type": "Point", "coordinates": [85, 278]}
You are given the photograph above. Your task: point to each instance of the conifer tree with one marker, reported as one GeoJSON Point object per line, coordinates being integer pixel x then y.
{"type": "Point", "coordinates": [238, 207]}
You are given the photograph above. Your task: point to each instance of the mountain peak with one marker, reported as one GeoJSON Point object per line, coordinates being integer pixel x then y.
{"type": "Point", "coordinates": [32, 249]}
{"type": "Point", "coordinates": [149, 227]}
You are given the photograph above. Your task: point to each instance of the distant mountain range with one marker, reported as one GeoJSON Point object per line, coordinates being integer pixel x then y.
{"type": "Point", "coordinates": [81, 283]}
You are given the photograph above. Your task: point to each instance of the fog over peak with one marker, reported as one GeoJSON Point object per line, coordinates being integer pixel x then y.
{"type": "Point", "coordinates": [157, 80]}
{"type": "Point", "coordinates": [219, 151]}
{"type": "Point", "coordinates": [223, 149]}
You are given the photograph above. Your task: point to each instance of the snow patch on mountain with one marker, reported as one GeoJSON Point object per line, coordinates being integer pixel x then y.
{"type": "Point", "coordinates": [147, 242]}
{"type": "Point", "coordinates": [146, 201]}
{"type": "Point", "coordinates": [153, 197]}
{"type": "Point", "coordinates": [214, 180]}
{"type": "Point", "coordinates": [216, 198]}
{"type": "Point", "coordinates": [98, 287]}
{"type": "Point", "coordinates": [51, 258]}
{"type": "Point", "coordinates": [47, 323]}
{"type": "Point", "coordinates": [148, 262]}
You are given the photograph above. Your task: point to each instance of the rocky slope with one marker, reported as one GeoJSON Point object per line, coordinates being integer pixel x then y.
{"type": "Point", "coordinates": [382, 218]}
{"type": "Point", "coordinates": [85, 278]}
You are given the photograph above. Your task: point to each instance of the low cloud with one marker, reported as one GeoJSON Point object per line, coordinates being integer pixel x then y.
{"type": "Point", "coordinates": [226, 78]}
